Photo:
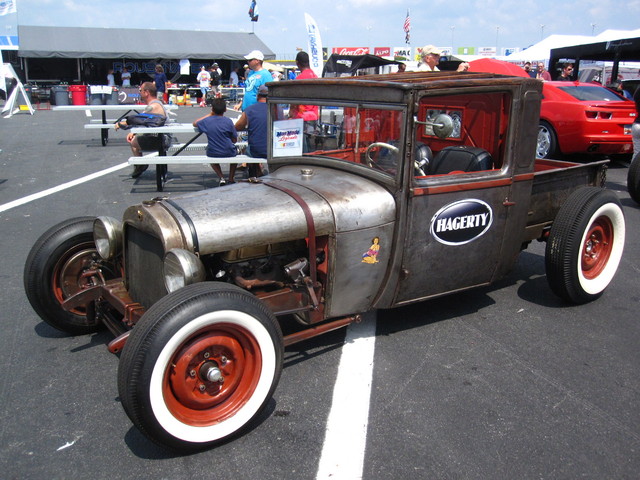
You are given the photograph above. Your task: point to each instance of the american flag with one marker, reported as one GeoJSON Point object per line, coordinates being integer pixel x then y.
{"type": "Point", "coordinates": [407, 28]}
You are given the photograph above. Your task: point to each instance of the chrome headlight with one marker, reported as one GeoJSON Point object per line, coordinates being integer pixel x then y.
{"type": "Point", "coordinates": [181, 268]}
{"type": "Point", "coordinates": [107, 235]}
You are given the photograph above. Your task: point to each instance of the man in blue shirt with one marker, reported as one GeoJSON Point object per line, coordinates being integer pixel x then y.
{"type": "Point", "coordinates": [259, 77]}
{"type": "Point", "coordinates": [254, 120]}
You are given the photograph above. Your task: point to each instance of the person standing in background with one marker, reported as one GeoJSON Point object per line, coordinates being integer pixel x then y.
{"type": "Point", "coordinates": [204, 79]}
{"type": "Point", "coordinates": [161, 81]}
{"type": "Point", "coordinates": [215, 74]}
{"type": "Point", "coordinates": [111, 82]}
{"type": "Point", "coordinates": [309, 113]}
{"type": "Point", "coordinates": [567, 71]}
{"type": "Point", "coordinates": [542, 73]}
{"type": "Point", "coordinates": [259, 76]}
{"type": "Point", "coordinates": [126, 77]}
{"type": "Point", "coordinates": [527, 68]}
{"type": "Point", "coordinates": [234, 80]}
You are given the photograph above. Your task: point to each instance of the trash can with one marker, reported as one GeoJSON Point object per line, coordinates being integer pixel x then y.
{"type": "Point", "coordinates": [78, 94]}
{"type": "Point", "coordinates": [61, 94]}
{"type": "Point", "coordinates": [112, 99]}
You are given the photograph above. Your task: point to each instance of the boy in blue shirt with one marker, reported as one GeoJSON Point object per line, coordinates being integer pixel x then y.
{"type": "Point", "coordinates": [221, 137]}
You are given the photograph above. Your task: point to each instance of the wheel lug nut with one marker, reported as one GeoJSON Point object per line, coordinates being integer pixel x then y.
{"type": "Point", "coordinates": [192, 373]}
{"type": "Point", "coordinates": [202, 388]}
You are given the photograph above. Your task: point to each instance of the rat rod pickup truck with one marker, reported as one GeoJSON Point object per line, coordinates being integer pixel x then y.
{"type": "Point", "coordinates": [407, 187]}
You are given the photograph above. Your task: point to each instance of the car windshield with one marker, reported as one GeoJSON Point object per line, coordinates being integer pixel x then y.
{"type": "Point", "coordinates": [362, 134]}
{"type": "Point", "coordinates": [591, 93]}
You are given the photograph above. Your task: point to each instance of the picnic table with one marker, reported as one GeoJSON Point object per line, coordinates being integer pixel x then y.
{"type": "Point", "coordinates": [160, 158]}
{"type": "Point", "coordinates": [105, 124]}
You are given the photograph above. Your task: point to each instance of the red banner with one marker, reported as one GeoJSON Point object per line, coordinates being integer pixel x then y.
{"type": "Point", "coordinates": [350, 50]}
{"type": "Point", "coordinates": [382, 51]}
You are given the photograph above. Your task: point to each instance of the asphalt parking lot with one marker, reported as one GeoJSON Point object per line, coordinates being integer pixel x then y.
{"type": "Point", "coordinates": [501, 382]}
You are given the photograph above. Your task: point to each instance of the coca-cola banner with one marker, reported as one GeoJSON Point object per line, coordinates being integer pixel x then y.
{"type": "Point", "coordinates": [350, 50]}
{"type": "Point", "coordinates": [382, 51]}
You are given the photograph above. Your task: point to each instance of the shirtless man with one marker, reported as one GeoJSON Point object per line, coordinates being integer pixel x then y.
{"type": "Point", "coordinates": [148, 94]}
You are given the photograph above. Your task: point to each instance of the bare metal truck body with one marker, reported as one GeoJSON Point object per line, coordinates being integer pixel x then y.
{"type": "Point", "coordinates": [406, 187]}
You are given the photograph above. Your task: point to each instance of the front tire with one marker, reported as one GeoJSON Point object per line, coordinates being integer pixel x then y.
{"type": "Point", "coordinates": [585, 245]}
{"type": "Point", "coordinates": [200, 365]}
{"type": "Point", "coordinates": [547, 146]}
{"type": "Point", "coordinates": [633, 178]}
{"type": "Point", "coordinates": [62, 262]}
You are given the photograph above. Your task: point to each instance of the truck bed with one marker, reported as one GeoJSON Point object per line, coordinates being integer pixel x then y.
{"type": "Point", "coordinates": [553, 182]}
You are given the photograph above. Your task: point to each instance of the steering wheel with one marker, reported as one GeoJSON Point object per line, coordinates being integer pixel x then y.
{"type": "Point", "coordinates": [367, 153]}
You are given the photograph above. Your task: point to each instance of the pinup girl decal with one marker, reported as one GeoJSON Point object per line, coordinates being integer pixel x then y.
{"type": "Point", "coordinates": [371, 255]}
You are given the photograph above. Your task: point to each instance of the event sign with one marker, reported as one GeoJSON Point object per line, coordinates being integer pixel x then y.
{"type": "Point", "coordinates": [350, 50]}
{"type": "Point", "coordinates": [382, 51]}
{"type": "Point", "coordinates": [466, 50]}
{"type": "Point", "coordinates": [403, 52]}
{"type": "Point", "coordinates": [487, 51]}
{"type": "Point", "coordinates": [287, 137]}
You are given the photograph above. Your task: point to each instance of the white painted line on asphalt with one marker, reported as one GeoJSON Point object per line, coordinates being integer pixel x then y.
{"type": "Point", "coordinates": [73, 183]}
{"type": "Point", "coordinates": [346, 435]}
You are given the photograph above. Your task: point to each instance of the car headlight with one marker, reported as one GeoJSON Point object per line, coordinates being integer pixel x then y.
{"type": "Point", "coordinates": [107, 235]}
{"type": "Point", "coordinates": [181, 268]}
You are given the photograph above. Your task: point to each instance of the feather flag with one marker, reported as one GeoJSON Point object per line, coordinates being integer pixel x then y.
{"type": "Point", "coordinates": [407, 28]}
{"type": "Point", "coordinates": [314, 45]}
{"type": "Point", "coordinates": [253, 11]}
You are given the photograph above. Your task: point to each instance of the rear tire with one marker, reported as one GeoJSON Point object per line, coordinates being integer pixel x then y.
{"type": "Point", "coordinates": [633, 178]}
{"type": "Point", "coordinates": [200, 365]}
{"type": "Point", "coordinates": [585, 245]}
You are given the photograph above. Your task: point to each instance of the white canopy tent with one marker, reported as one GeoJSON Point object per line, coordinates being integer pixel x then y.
{"type": "Point", "coordinates": [541, 51]}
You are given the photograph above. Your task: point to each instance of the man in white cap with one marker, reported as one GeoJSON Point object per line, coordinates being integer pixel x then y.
{"type": "Point", "coordinates": [259, 77]}
{"type": "Point", "coordinates": [431, 57]}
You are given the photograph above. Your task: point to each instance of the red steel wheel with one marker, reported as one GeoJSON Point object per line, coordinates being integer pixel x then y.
{"type": "Point", "coordinates": [213, 375]}
{"type": "Point", "coordinates": [597, 247]}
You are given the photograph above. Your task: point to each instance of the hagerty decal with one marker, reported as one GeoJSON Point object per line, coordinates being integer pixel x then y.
{"type": "Point", "coordinates": [461, 222]}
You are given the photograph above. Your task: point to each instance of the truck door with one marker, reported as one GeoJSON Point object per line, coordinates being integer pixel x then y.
{"type": "Point", "coordinates": [462, 219]}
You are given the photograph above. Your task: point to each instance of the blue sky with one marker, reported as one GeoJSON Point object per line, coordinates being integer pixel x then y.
{"type": "Point", "coordinates": [351, 23]}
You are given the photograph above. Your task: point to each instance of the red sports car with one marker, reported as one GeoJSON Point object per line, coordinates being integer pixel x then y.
{"type": "Point", "coordinates": [575, 117]}
{"type": "Point", "coordinates": [583, 117]}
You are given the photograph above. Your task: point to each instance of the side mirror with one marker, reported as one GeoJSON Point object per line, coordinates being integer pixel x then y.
{"type": "Point", "coordinates": [442, 125]}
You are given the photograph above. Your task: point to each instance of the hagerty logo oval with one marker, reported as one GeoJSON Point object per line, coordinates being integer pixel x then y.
{"type": "Point", "coordinates": [461, 222]}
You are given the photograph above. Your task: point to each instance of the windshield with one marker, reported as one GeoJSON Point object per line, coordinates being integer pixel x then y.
{"type": "Point", "coordinates": [360, 134]}
{"type": "Point", "coordinates": [591, 93]}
